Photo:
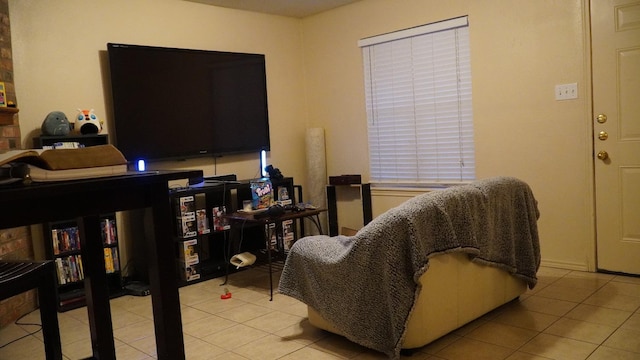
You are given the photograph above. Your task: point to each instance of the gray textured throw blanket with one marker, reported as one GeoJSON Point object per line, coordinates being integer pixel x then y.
{"type": "Point", "coordinates": [365, 285]}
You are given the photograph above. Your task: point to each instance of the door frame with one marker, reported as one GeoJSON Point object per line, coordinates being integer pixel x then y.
{"type": "Point", "coordinates": [592, 250]}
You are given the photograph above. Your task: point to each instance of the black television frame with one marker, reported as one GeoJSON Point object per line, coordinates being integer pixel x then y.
{"type": "Point", "coordinates": [215, 103]}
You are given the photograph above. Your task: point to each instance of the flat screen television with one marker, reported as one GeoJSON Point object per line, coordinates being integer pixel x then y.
{"type": "Point", "coordinates": [173, 103]}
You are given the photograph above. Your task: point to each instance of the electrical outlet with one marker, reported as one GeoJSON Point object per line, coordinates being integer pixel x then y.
{"type": "Point", "coordinates": [567, 91]}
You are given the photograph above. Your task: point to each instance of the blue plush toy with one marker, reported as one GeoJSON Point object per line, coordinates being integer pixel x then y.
{"type": "Point", "coordinates": [56, 124]}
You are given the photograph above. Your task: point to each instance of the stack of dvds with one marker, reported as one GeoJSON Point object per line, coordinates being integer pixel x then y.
{"type": "Point", "coordinates": [190, 222]}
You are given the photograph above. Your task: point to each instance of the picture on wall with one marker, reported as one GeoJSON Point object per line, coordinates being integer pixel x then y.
{"type": "Point", "coordinates": [3, 95]}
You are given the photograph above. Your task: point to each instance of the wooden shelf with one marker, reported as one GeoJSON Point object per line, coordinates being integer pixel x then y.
{"type": "Point", "coordinates": [86, 140]}
{"type": "Point", "coordinates": [6, 115]}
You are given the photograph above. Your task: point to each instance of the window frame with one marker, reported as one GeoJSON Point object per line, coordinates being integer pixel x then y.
{"type": "Point", "coordinates": [408, 106]}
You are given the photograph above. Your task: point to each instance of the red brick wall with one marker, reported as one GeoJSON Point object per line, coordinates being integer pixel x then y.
{"type": "Point", "coordinates": [14, 243]}
{"type": "Point", "coordinates": [9, 134]}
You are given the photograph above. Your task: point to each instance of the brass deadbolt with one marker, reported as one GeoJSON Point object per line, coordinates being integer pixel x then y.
{"type": "Point", "coordinates": [601, 118]}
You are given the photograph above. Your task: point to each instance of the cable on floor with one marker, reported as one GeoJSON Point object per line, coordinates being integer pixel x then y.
{"type": "Point", "coordinates": [26, 335]}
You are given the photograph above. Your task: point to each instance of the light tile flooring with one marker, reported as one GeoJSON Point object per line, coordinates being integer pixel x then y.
{"type": "Point", "coordinates": [569, 315]}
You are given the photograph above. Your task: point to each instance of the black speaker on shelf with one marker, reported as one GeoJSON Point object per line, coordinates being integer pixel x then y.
{"type": "Point", "coordinates": [274, 173]}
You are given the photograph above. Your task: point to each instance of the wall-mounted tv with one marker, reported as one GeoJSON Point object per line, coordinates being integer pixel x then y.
{"type": "Point", "coordinates": [173, 103]}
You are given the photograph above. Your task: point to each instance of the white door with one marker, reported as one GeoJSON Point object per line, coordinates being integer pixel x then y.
{"type": "Point", "coordinates": [615, 28]}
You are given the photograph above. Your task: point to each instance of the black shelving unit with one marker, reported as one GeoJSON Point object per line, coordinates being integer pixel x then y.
{"type": "Point", "coordinates": [84, 140]}
{"type": "Point", "coordinates": [203, 251]}
{"type": "Point", "coordinates": [63, 246]}
{"type": "Point", "coordinates": [70, 287]}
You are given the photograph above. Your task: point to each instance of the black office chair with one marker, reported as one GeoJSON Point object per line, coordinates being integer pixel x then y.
{"type": "Point", "coordinates": [17, 277]}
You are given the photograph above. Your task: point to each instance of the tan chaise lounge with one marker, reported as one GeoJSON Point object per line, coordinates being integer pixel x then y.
{"type": "Point", "coordinates": [422, 269]}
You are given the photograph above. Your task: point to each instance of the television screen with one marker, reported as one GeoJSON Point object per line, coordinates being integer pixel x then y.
{"type": "Point", "coordinates": [179, 103]}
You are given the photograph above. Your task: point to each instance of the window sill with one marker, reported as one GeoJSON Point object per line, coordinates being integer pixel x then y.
{"type": "Point", "coordinates": [408, 190]}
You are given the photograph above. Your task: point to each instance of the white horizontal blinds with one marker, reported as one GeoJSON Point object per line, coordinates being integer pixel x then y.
{"type": "Point", "coordinates": [418, 97]}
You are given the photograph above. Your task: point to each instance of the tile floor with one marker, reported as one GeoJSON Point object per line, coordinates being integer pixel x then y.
{"type": "Point", "coordinates": [569, 315]}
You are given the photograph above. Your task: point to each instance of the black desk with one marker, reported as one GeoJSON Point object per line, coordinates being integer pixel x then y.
{"type": "Point", "coordinates": [86, 200]}
{"type": "Point", "coordinates": [243, 218]}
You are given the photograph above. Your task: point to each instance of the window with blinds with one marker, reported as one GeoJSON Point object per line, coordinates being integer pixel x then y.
{"type": "Point", "coordinates": [418, 98]}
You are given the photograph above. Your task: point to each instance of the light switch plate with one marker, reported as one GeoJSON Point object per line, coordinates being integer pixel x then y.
{"type": "Point", "coordinates": [567, 91]}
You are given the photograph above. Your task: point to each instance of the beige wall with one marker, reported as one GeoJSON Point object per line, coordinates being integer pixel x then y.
{"type": "Point", "coordinates": [520, 50]}
{"type": "Point", "coordinates": [60, 55]}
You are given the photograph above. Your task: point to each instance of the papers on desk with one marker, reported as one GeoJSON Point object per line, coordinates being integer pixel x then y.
{"type": "Point", "coordinates": [41, 175]}
{"type": "Point", "coordinates": [67, 164]}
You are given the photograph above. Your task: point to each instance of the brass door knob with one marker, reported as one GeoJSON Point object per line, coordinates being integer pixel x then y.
{"type": "Point", "coordinates": [603, 155]}
{"type": "Point", "coordinates": [603, 135]}
{"type": "Point", "coordinates": [601, 118]}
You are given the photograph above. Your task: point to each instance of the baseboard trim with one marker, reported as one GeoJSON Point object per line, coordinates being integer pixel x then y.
{"type": "Point", "coordinates": [564, 265]}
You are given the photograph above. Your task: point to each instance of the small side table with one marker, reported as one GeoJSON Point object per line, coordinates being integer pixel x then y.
{"type": "Point", "coordinates": [242, 218]}
{"type": "Point", "coordinates": [367, 213]}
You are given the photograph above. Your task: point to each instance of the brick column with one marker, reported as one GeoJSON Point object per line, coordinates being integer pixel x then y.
{"type": "Point", "coordinates": [14, 243]}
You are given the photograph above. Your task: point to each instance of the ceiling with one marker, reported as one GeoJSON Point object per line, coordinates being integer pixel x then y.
{"type": "Point", "coordinates": [291, 8]}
